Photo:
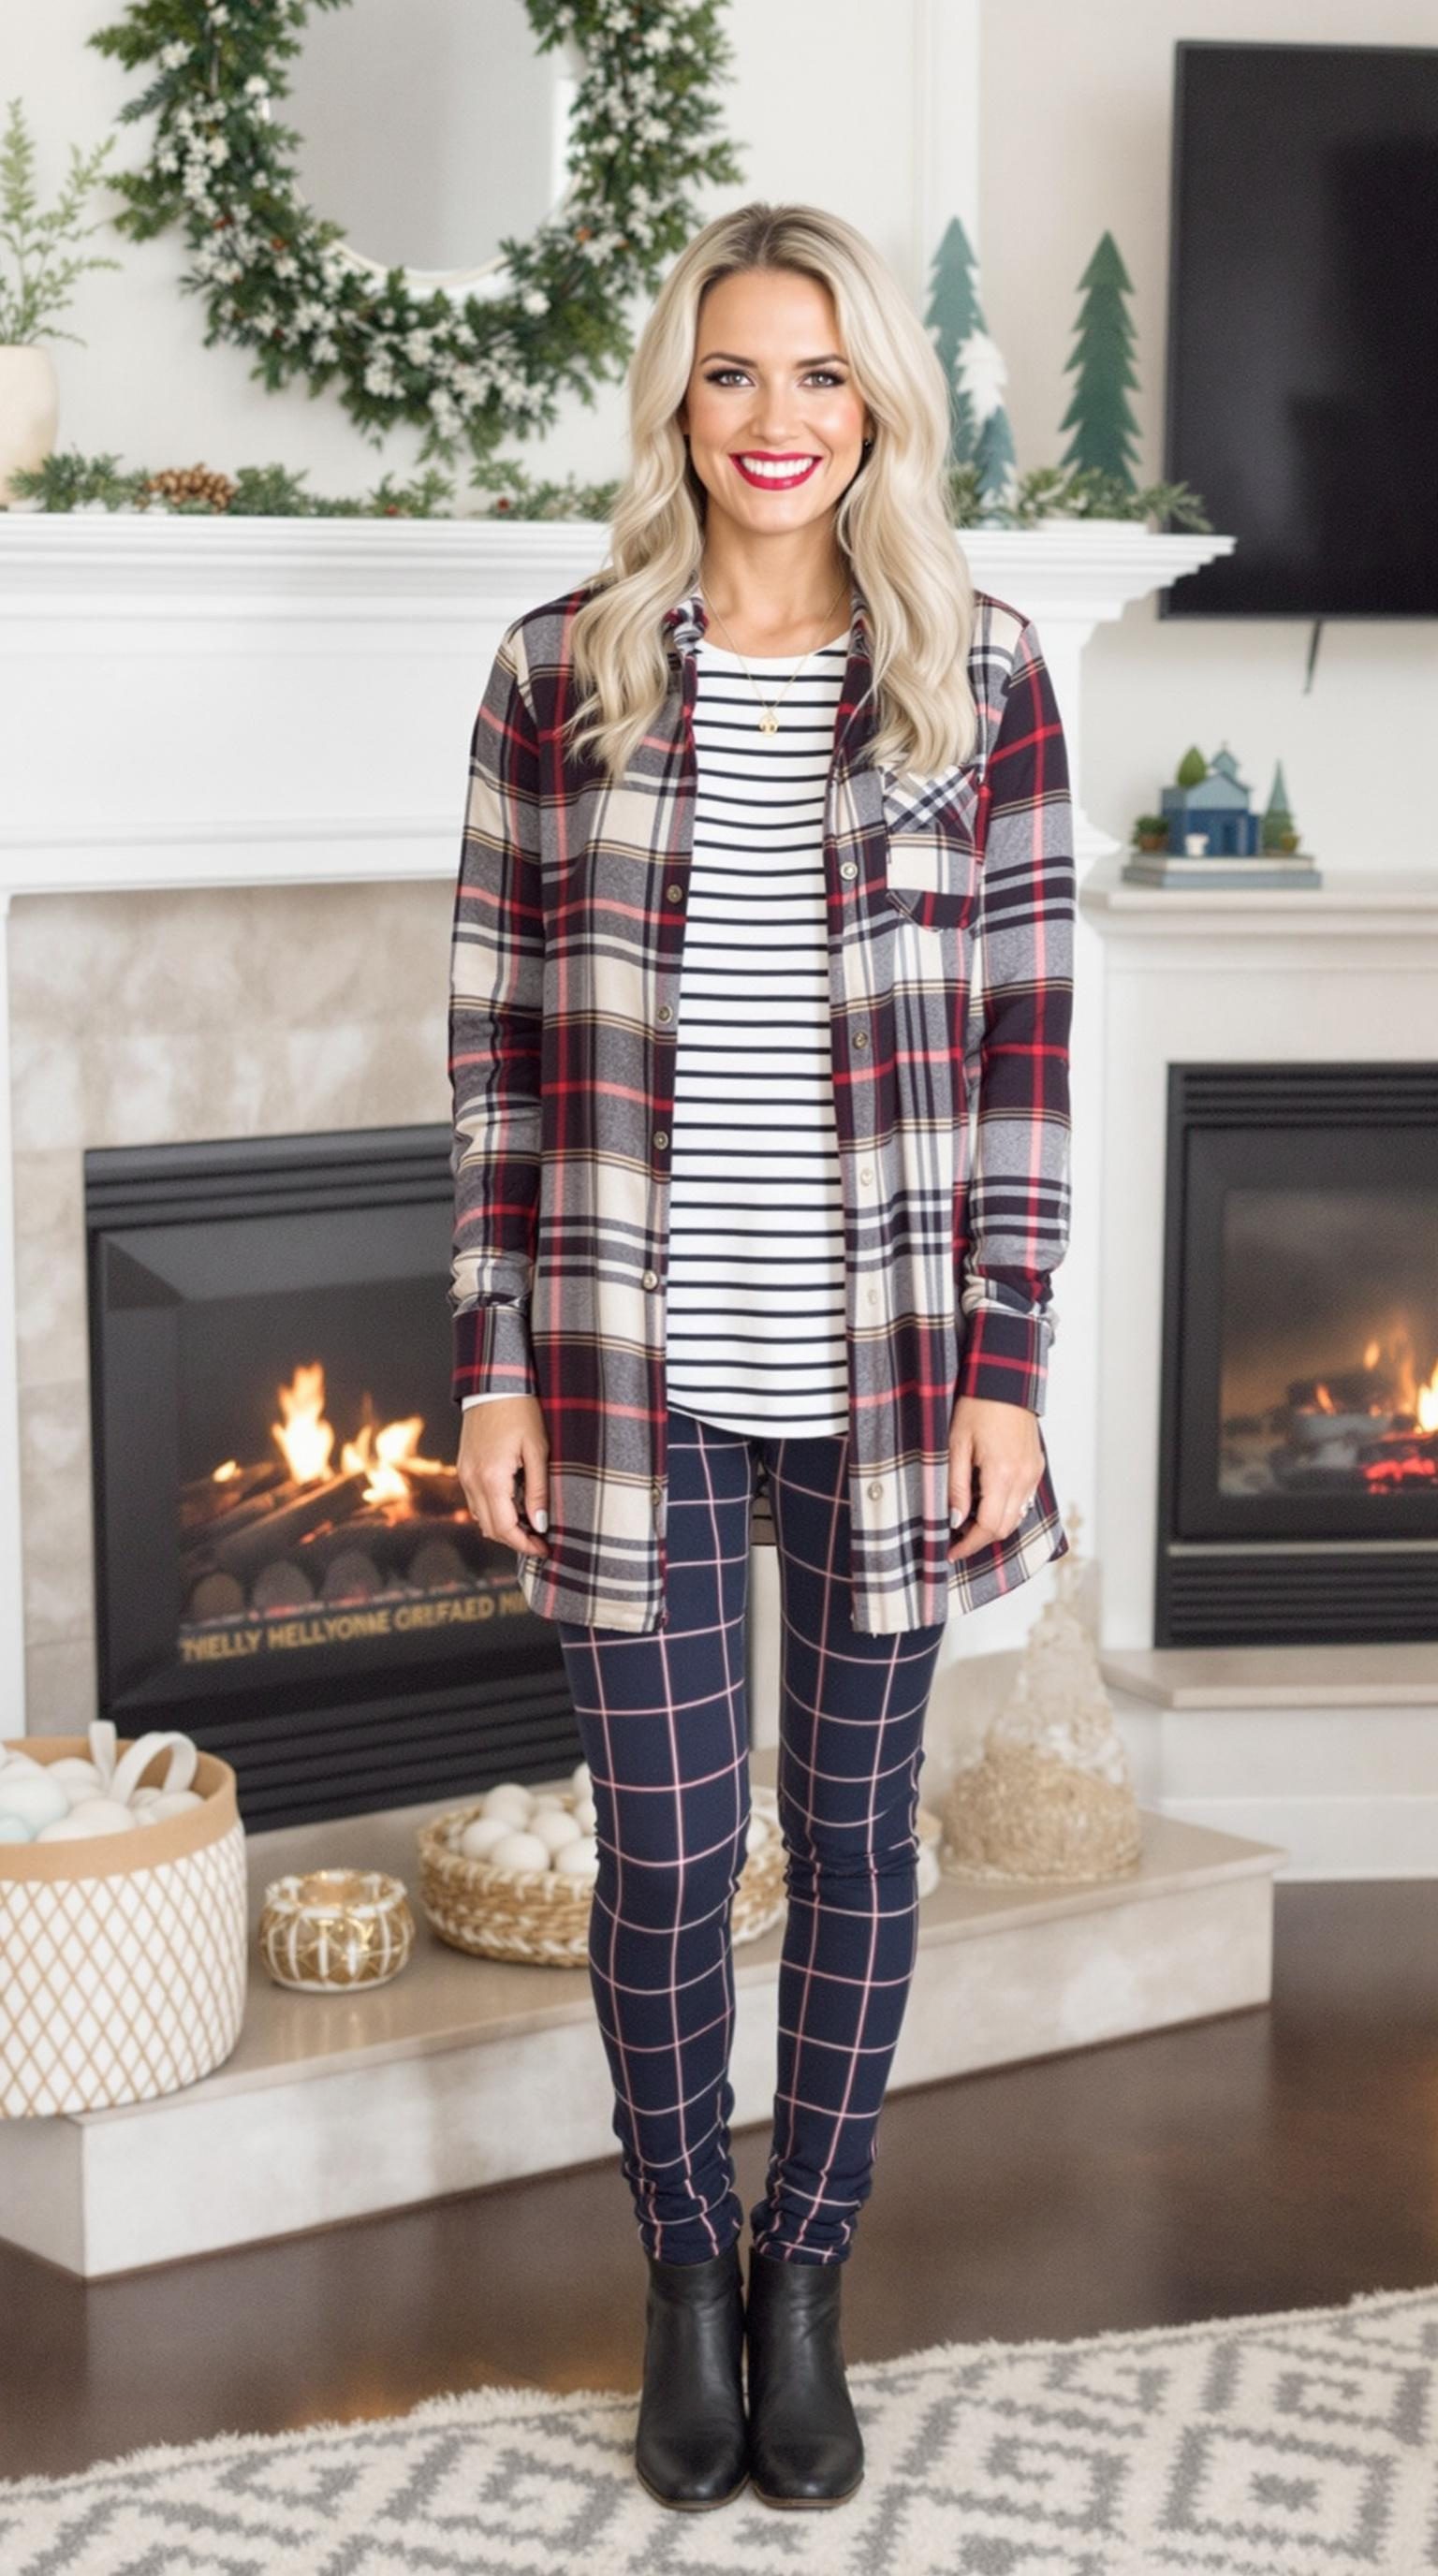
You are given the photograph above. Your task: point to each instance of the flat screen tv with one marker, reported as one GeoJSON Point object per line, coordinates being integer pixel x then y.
{"type": "Point", "coordinates": [1302, 393]}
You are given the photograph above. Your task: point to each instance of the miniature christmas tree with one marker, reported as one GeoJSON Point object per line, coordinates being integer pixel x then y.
{"type": "Point", "coordinates": [1048, 1795]}
{"type": "Point", "coordinates": [1105, 432]}
{"type": "Point", "coordinates": [980, 434]}
{"type": "Point", "coordinates": [1191, 769]}
{"type": "Point", "coordinates": [953, 316]}
{"type": "Point", "coordinates": [1277, 820]}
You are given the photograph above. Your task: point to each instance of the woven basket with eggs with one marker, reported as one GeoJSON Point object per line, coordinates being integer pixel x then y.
{"type": "Point", "coordinates": [499, 1900]}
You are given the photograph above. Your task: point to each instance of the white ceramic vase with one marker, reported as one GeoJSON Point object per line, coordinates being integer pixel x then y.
{"type": "Point", "coordinates": [29, 409]}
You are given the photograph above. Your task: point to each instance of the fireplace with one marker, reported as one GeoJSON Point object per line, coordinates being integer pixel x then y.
{"type": "Point", "coordinates": [1299, 1416]}
{"type": "Point", "coordinates": [285, 1564]}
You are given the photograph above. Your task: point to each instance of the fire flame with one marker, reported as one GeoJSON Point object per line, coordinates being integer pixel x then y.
{"type": "Point", "coordinates": [305, 1436]}
{"type": "Point", "coordinates": [307, 1439]}
{"type": "Point", "coordinates": [379, 1452]}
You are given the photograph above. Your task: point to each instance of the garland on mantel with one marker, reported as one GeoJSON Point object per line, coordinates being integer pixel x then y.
{"type": "Point", "coordinates": [276, 279]}
{"type": "Point", "coordinates": [68, 481]}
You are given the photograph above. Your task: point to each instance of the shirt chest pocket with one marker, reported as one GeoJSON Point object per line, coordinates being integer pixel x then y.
{"type": "Point", "coordinates": [934, 863]}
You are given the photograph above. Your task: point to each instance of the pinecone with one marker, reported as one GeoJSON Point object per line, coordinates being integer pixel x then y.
{"type": "Point", "coordinates": [192, 483]}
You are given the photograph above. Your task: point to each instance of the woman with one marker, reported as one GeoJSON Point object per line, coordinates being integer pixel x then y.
{"type": "Point", "coordinates": [766, 886]}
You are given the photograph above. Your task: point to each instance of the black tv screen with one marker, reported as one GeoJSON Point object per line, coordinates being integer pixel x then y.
{"type": "Point", "coordinates": [1302, 394]}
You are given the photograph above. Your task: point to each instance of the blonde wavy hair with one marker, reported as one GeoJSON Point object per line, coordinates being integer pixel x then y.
{"type": "Point", "coordinates": [892, 524]}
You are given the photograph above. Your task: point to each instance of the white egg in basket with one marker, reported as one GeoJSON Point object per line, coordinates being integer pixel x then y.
{"type": "Point", "coordinates": [91, 1816]}
{"type": "Point", "coordinates": [578, 1859]}
{"type": "Point", "coordinates": [519, 1851]}
{"type": "Point", "coordinates": [481, 1834]}
{"type": "Point", "coordinates": [77, 1777]}
{"type": "Point", "coordinates": [511, 1799]}
{"type": "Point", "coordinates": [554, 1827]}
{"type": "Point", "coordinates": [34, 1797]}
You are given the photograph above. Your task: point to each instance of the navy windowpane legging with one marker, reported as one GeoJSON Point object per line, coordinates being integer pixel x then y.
{"type": "Point", "coordinates": [665, 1729]}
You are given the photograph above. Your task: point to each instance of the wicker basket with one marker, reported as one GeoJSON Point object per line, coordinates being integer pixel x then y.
{"type": "Point", "coordinates": [540, 1915]}
{"type": "Point", "coordinates": [122, 1957]}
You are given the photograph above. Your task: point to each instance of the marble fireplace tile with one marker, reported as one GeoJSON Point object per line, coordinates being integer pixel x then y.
{"type": "Point", "coordinates": [60, 1686]}
{"type": "Point", "coordinates": [55, 1473]}
{"type": "Point", "coordinates": [51, 1328]}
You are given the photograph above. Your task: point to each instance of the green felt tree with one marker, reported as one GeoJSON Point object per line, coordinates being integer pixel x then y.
{"type": "Point", "coordinates": [1191, 768]}
{"type": "Point", "coordinates": [1277, 818]}
{"type": "Point", "coordinates": [953, 316]}
{"type": "Point", "coordinates": [1105, 435]}
{"type": "Point", "coordinates": [981, 442]}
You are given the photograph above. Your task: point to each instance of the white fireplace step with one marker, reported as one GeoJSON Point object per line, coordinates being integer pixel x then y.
{"type": "Point", "coordinates": [462, 2072]}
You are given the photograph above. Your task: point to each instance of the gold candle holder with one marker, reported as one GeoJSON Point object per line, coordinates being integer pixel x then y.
{"type": "Point", "coordinates": [326, 1931]}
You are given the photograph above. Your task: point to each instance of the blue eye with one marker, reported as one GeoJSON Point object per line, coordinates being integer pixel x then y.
{"type": "Point", "coordinates": [718, 375]}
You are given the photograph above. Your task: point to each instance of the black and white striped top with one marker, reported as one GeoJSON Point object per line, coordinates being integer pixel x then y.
{"type": "Point", "coordinates": [755, 1309]}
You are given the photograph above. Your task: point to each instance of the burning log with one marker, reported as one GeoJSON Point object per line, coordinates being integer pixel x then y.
{"type": "Point", "coordinates": [216, 1596]}
{"type": "Point", "coordinates": [282, 1586]}
{"type": "Point", "coordinates": [242, 1552]}
{"type": "Point", "coordinates": [207, 1498]}
{"type": "Point", "coordinates": [437, 1566]}
{"type": "Point", "coordinates": [352, 1577]}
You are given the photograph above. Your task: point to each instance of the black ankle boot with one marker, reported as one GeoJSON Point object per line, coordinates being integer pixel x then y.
{"type": "Point", "coordinates": [691, 2447]}
{"type": "Point", "coordinates": [805, 2446]}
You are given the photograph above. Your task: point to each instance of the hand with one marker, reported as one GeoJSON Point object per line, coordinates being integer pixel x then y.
{"type": "Point", "coordinates": [498, 1445]}
{"type": "Point", "coordinates": [1002, 1442]}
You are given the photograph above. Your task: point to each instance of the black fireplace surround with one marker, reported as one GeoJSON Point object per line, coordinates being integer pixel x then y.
{"type": "Point", "coordinates": [285, 1565]}
{"type": "Point", "coordinates": [1298, 1441]}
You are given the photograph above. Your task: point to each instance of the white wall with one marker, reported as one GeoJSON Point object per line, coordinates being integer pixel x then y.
{"type": "Point", "coordinates": [1076, 113]}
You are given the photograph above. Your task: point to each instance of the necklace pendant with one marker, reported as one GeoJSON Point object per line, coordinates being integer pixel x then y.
{"type": "Point", "coordinates": [769, 719]}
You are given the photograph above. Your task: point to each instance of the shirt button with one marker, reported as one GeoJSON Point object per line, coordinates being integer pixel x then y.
{"type": "Point", "coordinates": [675, 893]}
{"type": "Point", "coordinates": [848, 867]}
{"type": "Point", "coordinates": [661, 1137]}
{"type": "Point", "coordinates": [874, 1492]}
{"type": "Point", "coordinates": [873, 1296]}
{"type": "Point", "coordinates": [866, 1172]}
{"type": "Point", "coordinates": [656, 1493]}
{"type": "Point", "coordinates": [861, 1037]}
{"type": "Point", "coordinates": [664, 1012]}
{"type": "Point", "coordinates": [651, 1278]}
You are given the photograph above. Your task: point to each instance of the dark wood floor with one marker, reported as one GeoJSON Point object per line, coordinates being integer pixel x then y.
{"type": "Point", "coordinates": [1282, 2157]}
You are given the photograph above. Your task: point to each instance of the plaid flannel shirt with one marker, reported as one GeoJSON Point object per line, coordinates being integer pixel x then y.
{"type": "Point", "coordinates": [951, 907]}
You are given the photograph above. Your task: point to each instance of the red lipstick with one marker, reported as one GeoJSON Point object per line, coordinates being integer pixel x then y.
{"type": "Point", "coordinates": [803, 467]}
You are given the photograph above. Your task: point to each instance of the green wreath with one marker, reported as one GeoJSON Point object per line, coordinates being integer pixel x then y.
{"type": "Point", "coordinates": [277, 279]}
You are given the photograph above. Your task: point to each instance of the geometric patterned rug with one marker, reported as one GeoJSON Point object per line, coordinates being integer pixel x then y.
{"type": "Point", "coordinates": [1298, 2444]}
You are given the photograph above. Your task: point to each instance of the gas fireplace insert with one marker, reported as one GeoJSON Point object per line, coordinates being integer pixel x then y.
{"type": "Point", "coordinates": [284, 1561]}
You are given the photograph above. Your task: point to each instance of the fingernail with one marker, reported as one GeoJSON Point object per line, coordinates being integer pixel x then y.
{"type": "Point", "coordinates": [540, 1520]}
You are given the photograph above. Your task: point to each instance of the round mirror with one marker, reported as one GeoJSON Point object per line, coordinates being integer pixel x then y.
{"type": "Point", "coordinates": [431, 130]}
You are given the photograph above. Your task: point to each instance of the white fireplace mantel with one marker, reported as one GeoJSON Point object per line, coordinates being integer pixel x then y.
{"type": "Point", "coordinates": [178, 638]}
{"type": "Point", "coordinates": [198, 703]}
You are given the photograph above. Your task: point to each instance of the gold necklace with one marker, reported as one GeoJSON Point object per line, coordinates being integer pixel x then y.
{"type": "Point", "coordinates": [769, 707]}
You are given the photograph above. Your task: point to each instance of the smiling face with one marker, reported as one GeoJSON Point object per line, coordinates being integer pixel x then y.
{"type": "Point", "coordinates": [775, 424]}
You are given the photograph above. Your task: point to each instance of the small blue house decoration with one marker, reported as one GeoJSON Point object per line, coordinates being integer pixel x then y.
{"type": "Point", "coordinates": [1217, 804]}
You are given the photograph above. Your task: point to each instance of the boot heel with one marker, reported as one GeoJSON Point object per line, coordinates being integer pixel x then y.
{"type": "Point", "coordinates": [691, 2445]}
{"type": "Point", "coordinates": [805, 2446]}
